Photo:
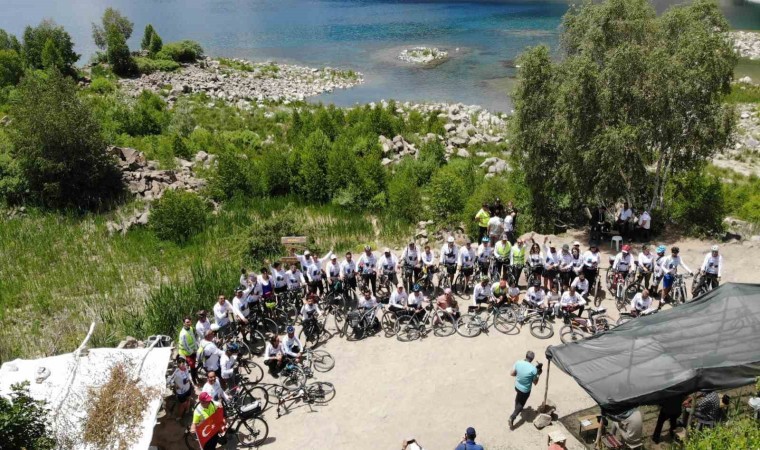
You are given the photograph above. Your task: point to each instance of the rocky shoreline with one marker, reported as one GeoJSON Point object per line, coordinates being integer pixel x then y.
{"type": "Point", "coordinates": [746, 43]}
{"type": "Point", "coordinates": [423, 55]}
{"type": "Point", "coordinates": [243, 82]}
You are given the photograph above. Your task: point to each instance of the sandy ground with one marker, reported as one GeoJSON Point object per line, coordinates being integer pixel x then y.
{"type": "Point", "coordinates": [433, 389]}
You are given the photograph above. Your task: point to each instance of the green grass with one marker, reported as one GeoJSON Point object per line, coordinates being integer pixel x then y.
{"type": "Point", "coordinates": [743, 93]}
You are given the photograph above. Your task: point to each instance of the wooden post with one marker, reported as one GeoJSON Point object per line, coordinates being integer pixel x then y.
{"type": "Point", "coordinates": [546, 388]}
{"type": "Point", "coordinates": [599, 431]}
{"type": "Point", "coordinates": [691, 414]}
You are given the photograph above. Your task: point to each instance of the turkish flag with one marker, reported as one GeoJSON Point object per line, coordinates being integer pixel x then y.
{"type": "Point", "coordinates": [209, 427]}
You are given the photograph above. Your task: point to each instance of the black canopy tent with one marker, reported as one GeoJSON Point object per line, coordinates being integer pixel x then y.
{"type": "Point", "coordinates": [710, 343]}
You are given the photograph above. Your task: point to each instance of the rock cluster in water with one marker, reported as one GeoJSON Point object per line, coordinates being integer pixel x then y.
{"type": "Point", "coordinates": [422, 55]}
{"type": "Point", "coordinates": [746, 43]}
{"type": "Point", "coordinates": [242, 82]}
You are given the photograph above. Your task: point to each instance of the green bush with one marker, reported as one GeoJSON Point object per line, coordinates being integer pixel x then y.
{"type": "Point", "coordinates": [265, 233]}
{"type": "Point", "coordinates": [696, 203]}
{"type": "Point", "coordinates": [447, 193]}
{"type": "Point", "coordinates": [118, 55]}
{"type": "Point", "coordinates": [58, 145]}
{"type": "Point", "coordinates": [178, 215]}
{"type": "Point", "coordinates": [35, 39]}
{"type": "Point", "coordinates": [24, 421]}
{"type": "Point", "coordinates": [146, 65]}
{"type": "Point", "coordinates": [156, 44]}
{"type": "Point", "coordinates": [404, 196]}
{"type": "Point", "coordinates": [736, 433]}
{"type": "Point", "coordinates": [11, 68]}
{"type": "Point", "coordinates": [112, 21]}
{"type": "Point", "coordinates": [13, 186]}
{"type": "Point", "coordinates": [234, 175]}
{"type": "Point", "coordinates": [102, 86]}
{"type": "Point", "coordinates": [182, 51]}
{"type": "Point", "coordinates": [148, 115]}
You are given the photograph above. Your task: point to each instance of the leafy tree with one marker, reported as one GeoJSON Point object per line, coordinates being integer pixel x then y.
{"type": "Point", "coordinates": [112, 20]}
{"type": "Point", "coordinates": [9, 42]}
{"type": "Point", "coordinates": [695, 202]}
{"type": "Point", "coordinates": [446, 193]}
{"type": "Point", "coordinates": [266, 232]}
{"type": "Point", "coordinates": [156, 44]}
{"type": "Point", "coordinates": [235, 176]}
{"type": "Point", "coordinates": [178, 215]}
{"type": "Point", "coordinates": [11, 68]}
{"type": "Point", "coordinates": [118, 55]}
{"type": "Point", "coordinates": [147, 36]}
{"type": "Point", "coordinates": [404, 196]}
{"type": "Point", "coordinates": [737, 432]}
{"type": "Point", "coordinates": [24, 421]}
{"type": "Point", "coordinates": [58, 144]}
{"type": "Point", "coordinates": [313, 168]}
{"type": "Point", "coordinates": [35, 40]}
{"type": "Point", "coordinates": [636, 97]}
{"type": "Point", "coordinates": [51, 57]}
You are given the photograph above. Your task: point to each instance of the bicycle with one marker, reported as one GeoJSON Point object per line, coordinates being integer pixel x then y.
{"type": "Point", "coordinates": [317, 393]}
{"type": "Point", "coordinates": [293, 376]}
{"type": "Point", "coordinates": [617, 285]}
{"type": "Point", "coordinates": [537, 319]}
{"type": "Point", "coordinates": [473, 323]}
{"type": "Point", "coordinates": [678, 293]}
{"type": "Point", "coordinates": [313, 330]}
{"type": "Point", "coordinates": [459, 287]}
{"type": "Point", "coordinates": [358, 323]}
{"type": "Point", "coordinates": [318, 360]}
{"type": "Point", "coordinates": [504, 271]}
{"type": "Point", "coordinates": [627, 317]}
{"type": "Point", "coordinates": [577, 328]}
{"type": "Point", "coordinates": [412, 327]}
{"type": "Point", "coordinates": [703, 283]}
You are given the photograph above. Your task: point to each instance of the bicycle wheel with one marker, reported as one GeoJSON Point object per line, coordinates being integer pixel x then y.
{"type": "Point", "coordinates": [624, 317]}
{"type": "Point", "coordinates": [572, 333]}
{"type": "Point", "coordinates": [505, 320]}
{"type": "Point", "coordinates": [541, 329]}
{"type": "Point", "coordinates": [322, 361]}
{"type": "Point", "coordinates": [602, 323]}
{"type": "Point", "coordinates": [621, 303]}
{"type": "Point", "coordinates": [295, 378]}
{"type": "Point", "coordinates": [320, 392]}
{"type": "Point", "coordinates": [191, 441]}
{"type": "Point", "coordinates": [384, 288]}
{"type": "Point", "coordinates": [469, 325]}
{"type": "Point", "coordinates": [407, 329]}
{"type": "Point", "coordinates": [598, 292]}
{"type": "Point", "coordinates": [632, 290]}
{"type": "Point", "coordinates": [609, 277]}
{"type": "Point", "coordinates": [257, 342]}
{"type": "Point", "coordinates": [257, 393]}
{"type": "Point", "coordinates": [388, 323]}
{"type": "Point", "coordinates": [275, 391]}
{"type": "Point", "coordinates": [459, 287]}
{"type": "Point", "coordinates": [251, 371]}
{"type": "Point", "coordinates": [444, 324]}
{"type": "Point", "coordinates": [252, 432]}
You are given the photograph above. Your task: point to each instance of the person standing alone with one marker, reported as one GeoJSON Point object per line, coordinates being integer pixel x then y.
{"type": "Point", "coordinates": [526, 375]}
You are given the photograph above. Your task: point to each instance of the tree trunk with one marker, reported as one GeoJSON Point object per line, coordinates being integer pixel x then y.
{"type": "Point", "coordinates": [657, 175]}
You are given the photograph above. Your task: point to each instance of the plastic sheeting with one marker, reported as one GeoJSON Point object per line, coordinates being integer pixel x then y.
{"type": "Point", "coordinates": [66, 388]}
{"type": "Point", "coordinates": [710, 343]}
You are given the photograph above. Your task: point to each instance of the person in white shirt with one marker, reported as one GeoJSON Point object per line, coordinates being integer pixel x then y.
{"type": "Point", "coordinates": [208, 353]}
{"type": "Point", "coordinates": [274, 356]}
{"type": "Point", "coordinates": [292, 346]}
{"type": "Point", "coordinates": [485, 251]}
{"type": "Point", "coordinates": [411, 260]}
{"type": "Point", "coordinates": [658, 272]}
{"type": "Point", "coordinates": [513, 293]}
{"type": "Point", "coordinates": [368, 302]}
{"type": "Point", "coordinates": [645, 225]}
{"type": "Point", "coordinates": [553, 297]}
{"type": "Point", "coordinates": [227, 363]}
{"type": "Point", "coordinates": [535, 297]}
{"type": "Point", "coordinates": [213, 388]}
{"type": "Point", "coordinates": [181, 380]}
{"type": "Point", "coordinates": [645, 265]}
{"type": "Point", "coordinates": [482, 292]}
{"type": "Point", "coordinates": [576, 261]}
{"type": "Point", "coordinates": [429, 262]}
{"type": "Point", "coordinates": [509, 227]}
{"type": "Point", "coordinates": [669, 267]}
{"type": "Point", "coordinates": [348, 272]}
{"type": "Point", "coordinates": [203, 325]}
{"type": "Point", "coordinates": [368, 267]}
{"type": "Point", "coordinates": [551, 263]}
{"type": "Point", "coordinates": [313, 269]}
{"type": "Point", "coordinates": [222, 310]}
{"type": "Point", "coordinates": [466, 262]}
{"type": "Point", "coordinates": [240, 303]}
{"type": "Point", "coordinates": [416, 301]}
{"type": "Point", "coordinates": [566, 274]}
{"type": "Point", "coordinates": [397, 301]}
{"type": "Point", "coordinates": [310, 310]}
{"type": "Point", "coordinates": [333, 271]}
{"type": "Point", "coordinates": [571, 302]}
{"type": "Point", "coordinates": [449, 256]}
{"type": "Point", "coordinates": [294, 278]}
{"type": "Point", "coordinates": [580, 284]}
{"type": "Point", "coordinates": [495, 228]}
{"type": "Point", "coordinates": [640, 302]}
{"type": "Point", "coordinates": [591, 260]}
{"type": "Point", "coordinates": [623, 220]}
{"type": "Point", "coordinates": [623, 261]}
{"type": "Point", "coordinates": [389, 264]}
{"type": "Point", "coordinates": [535, 260]}
{"type": "Point", "coordinates": [280, 278]}
{"type": "Point", "coordinates": [711, 267]}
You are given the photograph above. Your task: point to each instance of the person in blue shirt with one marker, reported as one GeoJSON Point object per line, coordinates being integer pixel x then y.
{"type": "Point", "coordinates": [468, 443]}
{"type": "Point", "coordinates": [526, 375]}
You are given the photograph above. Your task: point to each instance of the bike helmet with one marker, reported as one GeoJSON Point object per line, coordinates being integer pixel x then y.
{"type": "Point", "coordinates": [485, 239]}
{"type": "Point", "coordinates": [450, 239]}
{"type": "Point", "coordinates": [714, 248]}
{"type": "Point", "coordinates": [416, 288]}
{"type": "Point", "coordinates": [661, 249]}
{"type": "Point", "coordinates": [233, 347]}
{"type": "Point", "coordinates": [214, 327]}
{"type": "Point", "coordinates": [290, 329]}
{"type": "Point", "coordinates": [626, 248]}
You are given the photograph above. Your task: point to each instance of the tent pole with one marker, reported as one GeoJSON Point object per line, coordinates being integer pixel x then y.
{"type": "Point", "coordinates": [546, 389]}
{"type": "Point", "coordinates": [691, 413]}
{"type": "Point", "coordinates": [598, 440]}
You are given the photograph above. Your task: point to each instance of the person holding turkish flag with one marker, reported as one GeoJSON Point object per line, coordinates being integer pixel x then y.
{"type": "Point", "coordinates": [208, 422]}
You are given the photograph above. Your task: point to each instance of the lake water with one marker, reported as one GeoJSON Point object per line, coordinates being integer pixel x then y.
{"type": "Point", "coordinates": [364, 35]}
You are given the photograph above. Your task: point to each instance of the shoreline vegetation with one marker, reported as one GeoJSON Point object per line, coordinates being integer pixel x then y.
{"type": "Point", "coordinates": [347, 176]}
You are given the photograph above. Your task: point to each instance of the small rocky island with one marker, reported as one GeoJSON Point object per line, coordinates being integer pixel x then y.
{"type": "Point", "coordinates": [424, 56]}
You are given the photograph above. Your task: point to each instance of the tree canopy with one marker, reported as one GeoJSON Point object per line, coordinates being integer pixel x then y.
{"type": "Point", "coordinates": [23, 421]}
{"type": "Point", "coordinates": [112, 20]}
{"type": "Point", "coordinates": [60, 49]}
{"type": "Point", "coordinates": [635, 99]}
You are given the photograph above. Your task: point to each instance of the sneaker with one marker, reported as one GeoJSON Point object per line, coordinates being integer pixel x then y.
{"type": "Point", "coordinates": [511, 423]}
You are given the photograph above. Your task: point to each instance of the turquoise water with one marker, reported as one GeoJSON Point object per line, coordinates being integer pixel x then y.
{"type": "Point", "coordinates": [364, 35]}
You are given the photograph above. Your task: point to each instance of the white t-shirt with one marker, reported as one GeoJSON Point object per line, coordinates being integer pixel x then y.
{"type": "Point", "coordinates": [622, 262]}
{"type": "Point", "coordinates": [571, 299]}
{"type": "Point", "coordinates": [508, 226]}
{"type": "Point", "coordinates": [467, 257]}
{"type": "Point", "coordinates": [640, 303]}
{"type": "Point", "coordinates": [201, 328]}
{"type": "Point", "coordinates": [227, 364]}
{"type": "Point", "coordinates": [535, 296]}
{"type": "Point", "coordinates": [580, 286]}
{"type": "Point", "coordinates": [348, 268]}
{"type": "Point", "coordinates": [221, 311]}
{"type": "Point", "coordinates": [712, 264]}
{"type": "Point", "coordinates": [591, 259]}
{"type": "Point", "coordinates": [370, 302]}
{"type": "Point", "coordinates": [309, 311]}
{"type": "Point", "coordinates": [368, 263]}
{"type": "Point", "coordinates": [645, 221]}
{"type": "Point", "coordinates": [289, 345]}
{"type": "Point", "coordinates": [415, 300]}
{"type": "Point", "coordinates": [215, 391]}
{"type": "Point", "coordinates": [398, 299]}
{"type": "Point", "coordinates": [181, 380]}
{"type": "Point", "coordinates": [495, 226]}
{"type": "Point", "coordinates": [626, 214]}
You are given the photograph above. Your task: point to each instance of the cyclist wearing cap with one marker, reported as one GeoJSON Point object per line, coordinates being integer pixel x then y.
{"type": "Point", "coordinates": [466, 261]}
{"type": "Point", "coordinates": [517, 259]}
{"type": "Point", "coordinates": [348, 271]}
{"type": "Point", "coordinates": [397, 301]}
{"type": "Point", "coordinates": [368, 267]}
{"type": "Point", "coordinates": [292, 347]}
{"type": "Point", "coordinates": [389, 263]}
{"type": "Point", "coordinates": [645, 265]}
{"type": "Point", "coordinates": [658, 272]}
{"type": "Point", "coordinates": [623, 262]}
{"type": "Point", "coordinates": [482, 292]}
{"type": "Point", "coordinates": [411, 260]}
{"type": "Point", "coordinates": [566, 265]}
{"type": "Point", "coordinates": [447, 302]}
{"type": "Point", "coordinates": [551, 263]}
{"type": "Point", "coordinates": [205, 409]}
{"type": "Point", "coordinates": [670, 270]}
{"type": "Point", "coordinates": [228, 360]}
{"type": "Point", "coordinates": [711, 267]}
{"type": "Point", "coordinates": [468, 442]}
{"type": "Point", "coordinates": [591, 261]}
{"type": "Point", "coordinates": [485, 251]}
{"type": "Point", "coordinates": [482, 217]}
{"type": "Point", "coordinates": [501, 256]}
{"type": "Point", "coordinates": [449, 256]}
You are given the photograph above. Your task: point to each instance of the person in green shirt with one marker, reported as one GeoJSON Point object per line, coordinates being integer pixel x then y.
{"type": "Point", "coordinates": [203, 411]}
{"type": "Point", "coordinates": [482, 217]}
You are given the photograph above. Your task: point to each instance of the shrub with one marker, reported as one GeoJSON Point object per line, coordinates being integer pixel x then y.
{"type": "Point", "coordinates": [59, 146]}
{"type": "Point", "coordinates": [148, 115]}
{"type": "Point", "coordinates": [404, 197]}
{"type": "Point", "coordinates": [35, 39]}
{"type": "Point", "coordinates": [147, 36]}
{"type": "Point", "coordinates": [178, 215]}
{"type": "Point", "coordinates": [734, 433]}
{"type": "Point", "coordinates": [11, 68]}
{"type": "Point", "coordinates": [24, 420]}
{"type": "Point", "coordinates": [179, 148]}
{"type": "Point", "coordinates": [265, 233]}
{"type": "Point", "coordinates": [118, 53]}
{"type": "Point", "coordinates": [696, 203]}
{"type": "Point", "coordinates": [446, 193]}
{"type": "Point", "coordinates": [146, 65]}
{"type": "Point", "coordinates": [156, 44]}
{"type": "Point", "coordinates": [182, 51]}
{"type": "Point", "coordinates": [102, 86]}
{"type": "Point", "coordinates": [12, 184]}
{"type": "Point", "coordinates": [235, 176]}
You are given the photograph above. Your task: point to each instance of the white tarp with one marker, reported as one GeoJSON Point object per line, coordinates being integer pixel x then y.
{"type": "Point", "coordinates": [66, 389]}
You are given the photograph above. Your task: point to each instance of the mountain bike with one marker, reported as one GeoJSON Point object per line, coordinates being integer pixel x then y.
{"type": "Point", "coordinates": [463, 284]}
{"type": "Point", "coordinates": [313, 331]}
{"type": "Point", "coordinates": [360, 323]}
{"type": "Point", "coordinates": [703, 283]}
{"type": "Point", "coordinates": [627, 317]}
{"type": "Point", "coordinates": [678, 292]}
{"type": "Point", "coordinates": [504, 271]}
{"type": "Point", "coordinates": [537, 319]}
{"type": "Point", "coordinates": [318, 360]}
{"type": "Point", "coordinates": [317, 393]}
{"type": "Point", "coordinates": [411, 327]}
{"type": "Point", "coordinates": [480, 320]}
{"type": "Point", "coordinates": [577, 328]}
